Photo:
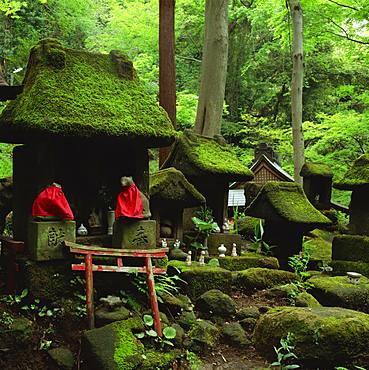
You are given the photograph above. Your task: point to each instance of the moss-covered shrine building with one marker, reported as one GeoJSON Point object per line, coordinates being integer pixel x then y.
{"type": "Point", "coordinates": [84, 120]}
{"type": "Point", "coordinates": [210, 165]}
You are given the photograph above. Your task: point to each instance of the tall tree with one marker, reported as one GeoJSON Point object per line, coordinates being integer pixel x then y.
{"type": "Point", "coordinates": [213, 69]}
{"type": "Point", "coordinates": [296, 88]}
{"type": "Point", "coordinates": [167, 65]}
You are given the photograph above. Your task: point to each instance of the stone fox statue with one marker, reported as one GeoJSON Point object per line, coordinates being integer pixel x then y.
{"type": "Point", "coordinates": [131, 202]}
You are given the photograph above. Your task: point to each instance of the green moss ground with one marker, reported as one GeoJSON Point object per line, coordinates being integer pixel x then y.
{"type": "Point", "coordinates": [357, 176]}
{"type": "Point", "coordinates": [285, 201]}
{"type": "Point", "coordinates": [73, 93]}
{"type": "Point", "coordinates": [248, 260]}
{"type": "Point", "coordinates": [341, 267]}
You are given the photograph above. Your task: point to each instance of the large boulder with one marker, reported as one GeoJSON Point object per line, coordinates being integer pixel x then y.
{"type": "Point", "coordinates": [215, 302]}
{"type": "Point", "coordinates": [113, 346]}
{"type": "Point", "coordinates": [338, 291]}
{"type": "Point", "coordinates": [325, 337]}
{"type": "Point", "coordinates": [261, 278]}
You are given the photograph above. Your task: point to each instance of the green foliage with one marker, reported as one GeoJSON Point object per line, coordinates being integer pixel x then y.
{"type": "Point", "coordinates": [285, 354]}
{"type": "Point", "coordinates": [15, 299]}
{"type": "Point", "coordinates": [258, 244]}
{"type": "Point", "coordinates": [169, 333]}
{"type": "Point", "coordinates": [193, 360]}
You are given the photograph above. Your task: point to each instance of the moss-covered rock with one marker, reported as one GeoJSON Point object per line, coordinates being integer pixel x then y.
{"type": "Point", "coordinates": [62, 357]}
{"type": "Point", "coordinates": [176, 303]}
{"type": "Point", "coordinates": [248, 260]}
{"type": "Point", "coordinates": [79, 94]}
{"type": "Point", "coordinates": [159, 360]}
{"type": "Point", "coordinates": [234, 334]}
{"type": "Point", "coordinates": [203, 336]}
{"type": "Point", "coordinates": [246, 226]}
{"type": "Point", "coordinates": [286, 202]}
{"type": "Point", "coordinates": [114, 346]}
{"type": "Point", "coordinates": [215, 302]}
{"type": "Point", "coordinates": [324, 337]}
{"type": "Point", "coordinates": [104, 315]}
{"type": "Point", "coordinates": [310, 169]}
{"type": "Point", "coordinates": [337, 291]}
{"type": "Point", "coordinates": [248, 312]}
{"type": "Point", "coordinates": [171, 185]}
{"type": "Point", "coordinates": [248, 324]}
{"type": "Point", "coordinates": [305, 299]}
{"type": "Point", "coordinates": [49, 281]}
{"type": "Point", "coordinates": [261, 278]}
{"type": "Point", "coordinates": [351, 248]}
{"type": "Point", "coordinates": [196, 155]}
{"type": "Point", "coordinates": [200, 279]}
{"type": "Point", "coordinates": [357, 175]}
{"type": "Point", "coordinates": [187, 319]}
{"type": "Point", "coordinates": [341, 267]}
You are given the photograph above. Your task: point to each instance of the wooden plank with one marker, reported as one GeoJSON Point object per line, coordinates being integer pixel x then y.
{"type": "Point", "coordinates": [108, 268]}
{"type": "Point", "coordinates": [99, 251]}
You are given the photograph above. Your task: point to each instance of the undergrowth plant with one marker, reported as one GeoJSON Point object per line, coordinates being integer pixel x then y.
{"type": "Point", "coordinates": [299, 264]}
{"type": "Point", "coordinates": [169, 333]}
{"type": "Point", "coordinates": [258, 243]}
{"type": "Point", "coordinates": [285, 354]}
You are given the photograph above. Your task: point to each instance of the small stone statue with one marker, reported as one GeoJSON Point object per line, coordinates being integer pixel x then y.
{"type": "Point", "coordinates": [226, 225]}
{"type": "Point", "coordinates": [164, 243]}
{"type": "Point", "coordinates": [188, 259]}
{"type": "Point", "coordinates": [202, 259]}
{"type": "Point", "coordinates": [222, 251]}
{"type": "Point", "coordinates": [234, 250]}
{"type": "Point", "coordinates": [177, 244]}
{"type": "Point", "coordinates": [82, 231]}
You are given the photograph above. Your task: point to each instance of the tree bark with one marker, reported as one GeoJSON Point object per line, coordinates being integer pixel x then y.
{"type": "Point", "coordinates": [167, 65]}
{"type": "Point", "coordinates": [213, 69]}
{"type": "Point", "coordinates": [296, 88]}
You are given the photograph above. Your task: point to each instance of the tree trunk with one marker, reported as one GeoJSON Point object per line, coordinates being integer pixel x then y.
{"type": "Point", "coordinates": [167, 65]}
{"type": "Point", "coordinates": [213, 69]}
{"type": "Point", "coordinates": [296, 88]}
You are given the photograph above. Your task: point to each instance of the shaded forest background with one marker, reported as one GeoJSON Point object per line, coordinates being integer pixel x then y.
{"type": "Point", "coordinates": [257, 106]}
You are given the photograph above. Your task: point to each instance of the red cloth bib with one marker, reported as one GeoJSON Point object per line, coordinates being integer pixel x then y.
{"type": "Point", "coordinates": [129, 203]}
{"type": "Point", "coordinates": [51, 202]}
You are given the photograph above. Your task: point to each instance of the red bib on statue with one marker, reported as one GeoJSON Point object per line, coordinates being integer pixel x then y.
{"type": "Point", "coordinates": [51, 202]}
{"type": "Point", "coordinates": [129, 203]}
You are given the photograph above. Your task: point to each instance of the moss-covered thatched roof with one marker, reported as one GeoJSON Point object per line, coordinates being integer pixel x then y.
{"type": "Point", "coordinates": [77, 94]}
{"type": "Point", "coordinates": [197, 156]}
{"type": "Point", "coordinates": [285, 201]}
{"type": "Point", "coordinates": [310, 169]}
{"type": "Point", "coordinates": [171, 185]}
{"type": "Point", "coordinates": [357, 176]}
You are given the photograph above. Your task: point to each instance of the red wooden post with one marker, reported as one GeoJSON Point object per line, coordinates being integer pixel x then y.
{"type": "Point", "coordinates": [89, 291]}
{"type": "Point", "coordinates": [152, 293]}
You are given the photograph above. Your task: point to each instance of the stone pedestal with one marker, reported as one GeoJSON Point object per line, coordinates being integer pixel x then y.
{"type": "Point", "coordinates": [132, 234]}
{"type": "Point", "coordinates": [216, 239]}
{"type": "Point", "coordinates": [46, 239]}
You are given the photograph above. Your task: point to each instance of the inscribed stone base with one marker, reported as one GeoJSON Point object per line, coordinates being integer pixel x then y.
{"type": "Point", "coordinates": [216, 239]}
{"type": "Point", "coordinates": [128, 234]}
{"type": "Point", "coordinates": [46, 239]}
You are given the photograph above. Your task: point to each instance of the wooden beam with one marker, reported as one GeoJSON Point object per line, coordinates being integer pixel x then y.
{"type": "Point", "coordinates": [167, 65]}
